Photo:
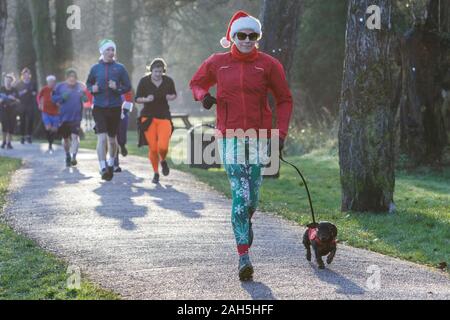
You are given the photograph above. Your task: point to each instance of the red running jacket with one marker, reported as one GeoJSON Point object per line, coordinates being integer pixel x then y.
{"type": "Point", "coordinates": [242, 89]}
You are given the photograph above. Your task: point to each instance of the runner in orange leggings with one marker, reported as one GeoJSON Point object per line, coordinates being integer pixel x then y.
{"type": "Point", "coordinates": [155, 91]}
{"type": "Point", "coordinates": [158, 138]}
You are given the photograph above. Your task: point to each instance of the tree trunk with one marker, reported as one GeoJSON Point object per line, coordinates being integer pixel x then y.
{"type": "Point", "coordinates": [123, 30]}
{"type": "Point", "coordinates": [63, 39]}
{"type": "Point", "coordinates": [158, 25]}
{"type": "Point", "coordinates": [42, 38]}
{"type": "Point", "coordinates": [367, 112]}
{"type": "Point", "coordinates": [3, 19]}
{"type": "Point", "coordinates": [280, 20]}
{"type": "Point", "coordinates": [425, 75]}
{"type": "Point", "coordinates": [26, 56]}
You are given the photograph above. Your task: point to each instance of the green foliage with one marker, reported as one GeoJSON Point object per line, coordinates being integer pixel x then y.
{"type": "Point", "coordinates": [310, 137]}
{"type": "Point", "coordinates": [408, 12]}
{"type": "Point", "coordinates": [320, 55]}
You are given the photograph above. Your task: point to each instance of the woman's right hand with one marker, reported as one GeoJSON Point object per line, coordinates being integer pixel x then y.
{"type": "Point", "coordinates": [150, 98]}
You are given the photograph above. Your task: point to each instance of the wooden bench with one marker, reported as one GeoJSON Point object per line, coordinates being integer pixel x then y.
{"type": "Point", "coordinates": [185, 118]}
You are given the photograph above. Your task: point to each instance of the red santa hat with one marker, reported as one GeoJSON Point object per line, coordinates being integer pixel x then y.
{"type": "Point", "coordinates": [241, 20]}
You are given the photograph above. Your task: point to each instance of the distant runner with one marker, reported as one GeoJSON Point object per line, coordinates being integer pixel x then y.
{"type": "Point", "coordinates": [70, 95]}
{"type": "Point", "coordinates": [50, 110]}
{"type": "Point", "coordinates": [9, 102]}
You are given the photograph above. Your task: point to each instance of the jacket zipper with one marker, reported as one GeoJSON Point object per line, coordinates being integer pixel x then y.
{"type": "Point", "coordinates": [107, 85]}
{"type": "Point", "coordinates": [261, 108]}
{"type": "Point", "coordinates": [226, 114]}
{"type": "Point", "coordinates": [242, 96]}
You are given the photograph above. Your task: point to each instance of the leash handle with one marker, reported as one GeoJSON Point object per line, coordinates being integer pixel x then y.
{"type": "Point", "coordinates": [306, 186]}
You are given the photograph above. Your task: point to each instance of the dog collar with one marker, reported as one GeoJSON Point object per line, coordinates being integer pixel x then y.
{"type": "Point", "coordinates": [312, 235]}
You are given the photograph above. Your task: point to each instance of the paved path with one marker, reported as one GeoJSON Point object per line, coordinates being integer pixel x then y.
{"type": "Point", "coordinates": [174, 241]}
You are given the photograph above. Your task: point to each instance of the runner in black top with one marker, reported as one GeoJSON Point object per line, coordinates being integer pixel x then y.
{"type": "Point", "coordinates": [154, 91]}
{"type": "Point", "coordinates": [9, 100]}
{"type": "Point", "coordinates": [27, 89]}
{"type": "Point", "coordinates": [159, 107]}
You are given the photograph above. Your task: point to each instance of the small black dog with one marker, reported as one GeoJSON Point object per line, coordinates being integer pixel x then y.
{"type": "Point", "coordinates": [322, 237]}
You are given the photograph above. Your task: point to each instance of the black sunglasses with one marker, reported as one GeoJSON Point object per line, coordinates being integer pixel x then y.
{"type": "Point", "coordinates": [252, 36]}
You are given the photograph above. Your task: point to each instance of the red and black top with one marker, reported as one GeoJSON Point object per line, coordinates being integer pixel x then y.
{"type": "Point", "coordinates": [243, 83]}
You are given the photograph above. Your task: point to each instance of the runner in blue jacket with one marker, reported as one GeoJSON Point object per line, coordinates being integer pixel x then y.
{"type": "Point", "coordinates": [69, 96]}
{"type": "Point", "coordinates": [107, 81]}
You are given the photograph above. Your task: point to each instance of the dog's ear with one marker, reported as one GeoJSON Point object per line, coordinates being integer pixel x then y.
{"type": "Point", "coordinates": [333, 230]}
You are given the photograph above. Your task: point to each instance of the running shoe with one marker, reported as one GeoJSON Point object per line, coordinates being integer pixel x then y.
{"type": "Point", "coordinates": [68, 161]}
{"type": "Point", "coordinates": [245, 268]}
{"type": "Point", "coordinates": [117, 169]}
{"type": "Point", "coordinates": [106, 174]}
{"type": "Point", "coordinates": [156, 178]}
{"type": "Point", "coordinates": [74, 162]}
{"type": "Point", "coordinates": [165, 168]}
{"type": "Point", "coordinates": [123, 151]}
{"type": "Point", "coordinates": [111, 173]}
{"type": "Point", "coordinates": [3, 145]}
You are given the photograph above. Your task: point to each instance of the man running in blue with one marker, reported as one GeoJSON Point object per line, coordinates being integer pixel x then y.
{"type": "Point", "coordinates": [70, 95]}
{"type": "Point", "coordinates": [107, 81]}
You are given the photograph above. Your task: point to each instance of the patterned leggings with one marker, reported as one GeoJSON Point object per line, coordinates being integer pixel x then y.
{"type": "Point", "coordinates": [245, 179]}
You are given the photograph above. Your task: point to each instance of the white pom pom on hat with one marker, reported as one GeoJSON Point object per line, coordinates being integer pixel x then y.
{"type": "Point", "coordinates": [224, 42]}
{"type": "Point", "coordinates": [241, 20]}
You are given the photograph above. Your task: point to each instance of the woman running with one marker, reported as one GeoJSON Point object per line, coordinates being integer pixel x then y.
{"type": "Point", "coordinates": [27, 89]}
{"type": "Point", "coordinates": [70, 96]}
{"type": "Point", "coordinates": [50, 111]}
{"type": "Point", "coordinates": [9, 100]}
{"type": "Point", "coordinates": [107, 82]}
{"type": "Point", "coordinates": [243, 76]}
{"type": "Point", "coordinates": [155, 91]}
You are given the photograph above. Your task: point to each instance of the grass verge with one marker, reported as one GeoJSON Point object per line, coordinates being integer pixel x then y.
{"type": "Point", "coordinates": [29, 273]}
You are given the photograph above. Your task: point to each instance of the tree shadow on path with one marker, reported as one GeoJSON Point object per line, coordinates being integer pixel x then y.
{"type": "Point", "coordinates": [117, 200]}
{"type": "Point", "coordinates": [169, 198]}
